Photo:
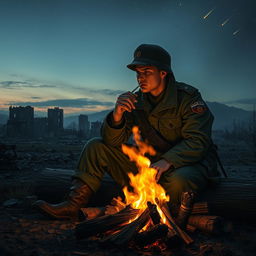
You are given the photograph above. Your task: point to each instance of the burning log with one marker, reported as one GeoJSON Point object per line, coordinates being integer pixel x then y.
{"type": "Point", "coordinates": [127, 232]}
{"type": "Point", "coordinates": [104, 223]}
{"type": "Point", "coordinates": [153, 212]}
{"type": "Point", "coordinates": [182, 234]}
{"type": "Point", "coordinates": [209, 224]}
{"type": "Point", "coordinates": [151, 235]}
{"type": "Point", "coordinates": [187, 200]}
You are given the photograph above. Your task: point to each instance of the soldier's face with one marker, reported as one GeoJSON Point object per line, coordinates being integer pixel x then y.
{"type": "Point", "coordinates": [150, 79]}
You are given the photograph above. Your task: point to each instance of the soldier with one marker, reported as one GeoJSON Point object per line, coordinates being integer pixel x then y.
{"type": "Point", "coordinates": [171, 115]}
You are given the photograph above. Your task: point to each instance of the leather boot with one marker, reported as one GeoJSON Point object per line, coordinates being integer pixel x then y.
{"type": "Point", "coordinates": [79, 196]}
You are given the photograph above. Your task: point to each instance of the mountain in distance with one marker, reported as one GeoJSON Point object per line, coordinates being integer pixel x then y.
{"type": "Point", "coordinates": [225, 116]}
{"type": "Point", "coordinates": [98, 116]}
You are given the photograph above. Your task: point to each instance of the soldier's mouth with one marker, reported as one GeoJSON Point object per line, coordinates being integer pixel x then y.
{"type": "Point", "coordinates": [143, 86]}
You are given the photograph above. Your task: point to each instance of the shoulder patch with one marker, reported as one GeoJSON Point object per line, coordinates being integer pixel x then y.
{"type": "Point", "coordinates": [187, 88]}
{"type": "Point", "coordinates": [198, 107]}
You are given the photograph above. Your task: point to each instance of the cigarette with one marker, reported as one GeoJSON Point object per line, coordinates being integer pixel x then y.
{"type": "Point", "coordinates": [135, 89]}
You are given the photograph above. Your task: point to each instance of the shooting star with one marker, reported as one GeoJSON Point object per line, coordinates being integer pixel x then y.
{"type": "Point", "coordinates": [236, 32]}
{"type": "Point", "coordinates": [225, 22]}
{"type": "Point", "coordinates": [207, 14]}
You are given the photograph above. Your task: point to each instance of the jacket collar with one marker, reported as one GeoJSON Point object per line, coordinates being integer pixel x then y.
{"type": "Point", "coordinates": [169, 100]}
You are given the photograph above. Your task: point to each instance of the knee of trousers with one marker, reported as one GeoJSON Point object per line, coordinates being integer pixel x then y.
{"type": "Point", "coordinates": [91, 151]}
{"type": "Point", "coordinates": [94, 145]}
{"type": "Point", "coordinates": [176, 185]}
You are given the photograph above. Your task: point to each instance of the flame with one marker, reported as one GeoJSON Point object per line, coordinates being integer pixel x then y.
{"type": "Point", "coordinates": [144, 184]}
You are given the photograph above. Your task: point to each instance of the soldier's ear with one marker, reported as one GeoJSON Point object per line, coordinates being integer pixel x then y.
{"type": "Point", "coordinates": [163, 73]}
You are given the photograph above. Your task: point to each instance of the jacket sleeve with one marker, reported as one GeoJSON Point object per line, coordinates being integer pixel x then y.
{"type": "Point", "coordinates": [116, 135]}
{"type": "Point", "coordinates": [196, 133]}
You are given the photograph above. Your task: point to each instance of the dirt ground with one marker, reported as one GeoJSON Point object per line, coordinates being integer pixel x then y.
{"type": "Point", "coordinates": [25, 232]}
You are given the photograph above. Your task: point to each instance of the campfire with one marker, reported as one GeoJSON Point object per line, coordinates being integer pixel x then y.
{"type": "Point", "coordinates": [143, 218]}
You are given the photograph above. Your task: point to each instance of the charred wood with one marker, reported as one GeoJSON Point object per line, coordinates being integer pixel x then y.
{"type": "Point", "coordinates": [128, 231]}
{"type": "Point", "coordinates": [151, 235]}
{"type": "Point", "coordinates": [153, 212]}
{"type": "Point", "coordinates": [104, 223]}
{"type": "Point", "coordinates": [182, 234]}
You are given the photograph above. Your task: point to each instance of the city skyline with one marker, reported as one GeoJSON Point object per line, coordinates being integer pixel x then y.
{"type": "Point", "coordinates": [74, 55]}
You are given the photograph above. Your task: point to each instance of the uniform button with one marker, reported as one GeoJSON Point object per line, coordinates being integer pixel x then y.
{"type": "Point", "coordinates": [186, 87]}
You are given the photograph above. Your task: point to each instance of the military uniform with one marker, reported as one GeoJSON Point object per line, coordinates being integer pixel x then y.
{"type": "Point", "coordinates": [182, 118]}
{"type": "Point", "coordinates": [178, 116]}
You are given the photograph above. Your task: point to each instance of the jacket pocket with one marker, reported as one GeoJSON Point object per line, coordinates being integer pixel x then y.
{"type": "Point", "coordinates": [170, 128]}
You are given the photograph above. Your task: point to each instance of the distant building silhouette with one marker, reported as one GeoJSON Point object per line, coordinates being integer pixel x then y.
{"type": "Point", "coordinates": [40, 127]}
{"type": "Point", "coordinates": [84, 126]}
{"type": "Point", "coordinates": [55, 121]}
{"type": "Point", "coordinates": [21, 121]}
{"type": "Point", "coordinates": [95, 129]}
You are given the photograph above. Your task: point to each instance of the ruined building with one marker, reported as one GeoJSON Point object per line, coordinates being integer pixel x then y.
{"type": "Point", "coordinates": [21, 122]}
{"type": "Point", "coordinates": [55, 121]}
{"type": "Point", "coordinates": [95, 129]}
{"type": "Point", "coordinates": [40, 127]}
{"type": "Point", "coordinates": [84, 126]}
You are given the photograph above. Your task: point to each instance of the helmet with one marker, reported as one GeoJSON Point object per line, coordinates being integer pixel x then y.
{"type": "Point", "coordinates": [151, 55]}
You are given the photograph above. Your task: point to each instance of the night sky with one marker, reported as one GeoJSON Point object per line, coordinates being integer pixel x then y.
{"type": "Point", "coordinates": [73, 54]}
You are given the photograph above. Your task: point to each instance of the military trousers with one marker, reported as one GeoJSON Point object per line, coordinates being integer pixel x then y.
{"type": "Point", "coordinates": [97, 158]}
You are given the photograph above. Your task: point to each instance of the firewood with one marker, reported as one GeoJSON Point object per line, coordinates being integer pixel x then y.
{"type": "Point", "coordinates": [115, 205]}
{"type": "Point", "coordinates": [104, 223]}
{"type": "Point", "coordinates": [151, 235]}
{"type": "Point", "coordinates": [153, 212]}
{"type": "Point", "coordinates": [200, 208]}
{"type": "Point", "coordinates": [190, 228]}
{"type": "Point", "coordinates": [182, 234]}
{"type": "Point", "coordinates": [187, 201]}
{"type": "Point", "coordinates": [128, 231]}
{"type": "Point", "coordinates": [91, 213]}
{"type": "Point", "coordinates": [209, 224]}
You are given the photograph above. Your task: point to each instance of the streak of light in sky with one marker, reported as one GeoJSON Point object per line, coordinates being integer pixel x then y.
{"type": "Point", "coordinates": [236, 32]}
{"type": "Point", "coordinates": [206, 16]}
{"type": "Point", "coordinates": [225, 22]}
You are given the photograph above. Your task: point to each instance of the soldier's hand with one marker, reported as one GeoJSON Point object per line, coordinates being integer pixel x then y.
{"type": "Point", "coordinates": [161, 166]}
{"type": "Point", "coordinates": [125, 102]}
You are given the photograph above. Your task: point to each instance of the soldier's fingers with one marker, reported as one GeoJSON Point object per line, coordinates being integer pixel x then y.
{"type": "Point", "coordinates": [124, 107]}
{"type": "Point", "coordinates": [159, 173]}
{"type": "Point", "coordinates": [155, 167]}
{"type": "Point", "coordinates": [134, 96]}
{"type": "Point", "coordinates": [129, 95]}
{"type": "Point", "coordinates": [131, 99]}
{"type": "Point", "coordinates": [126, 102]}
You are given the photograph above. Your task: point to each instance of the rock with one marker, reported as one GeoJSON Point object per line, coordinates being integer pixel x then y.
{"type": "Point", "coordinates": [11, 202]}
